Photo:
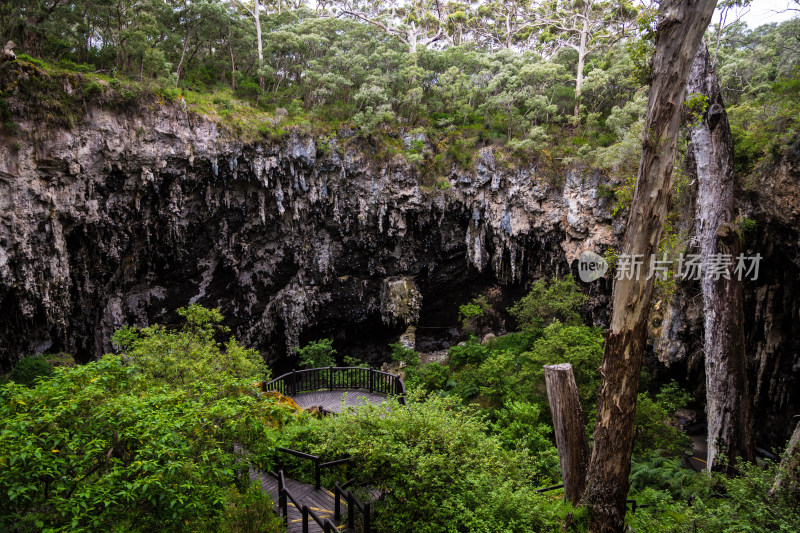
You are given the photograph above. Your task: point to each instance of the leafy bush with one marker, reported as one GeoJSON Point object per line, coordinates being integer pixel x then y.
{"type": "Point", "coordinates": [403, 353]}
{"type": "Point", "coordinates": [471, 352]}
{"type": "Point", "coordinates": [250, 511]}
{"type": "Point", "coordinates": [654, 428]}
{"type": "Point", "coordinates": [519, 426]}
{"type": "Point", "coordinates": [130, 92]}
{"type": "Point", "coordinates": [189, 354]}
{"type": "Point", "coordinates": [30, 369]}
{"type": "Point", "coordinates": [471, 314]}
{"type": "Point", "coordinates": [93, 88]}
{"type": "Point", "coordinates": [436, 468]}
{"type": "Point", "coordinates": [581, 346]}
{"type": "Point", "coordinates": [432, 377]}
{"type": "Point", "coordinates": [462, 152]}
{"type": "Point", "coordinates": [558, 299]}
{"type": "Point", "coordinates": [139, 441]}
{"type": "Point", "coordinates": [720, 504]}
{"type": "Point", "coordinates": [317, 354]}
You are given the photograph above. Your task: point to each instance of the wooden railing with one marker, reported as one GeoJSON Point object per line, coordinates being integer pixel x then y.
{"type": "Point", "coordinates": [353, 506]}
{"type": "Point", "coordinates": [318, 464]}
{"type": "Point", "coordinates": [340, 493]}
{"type": "Point", "coordinates": [337, 378]}
{"type": "Point", "coordinates": [284, 496]}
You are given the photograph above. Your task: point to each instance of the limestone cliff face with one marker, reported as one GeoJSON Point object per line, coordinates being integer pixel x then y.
{"type": "Point", "coordinates": [772, 302]}
{"type": "Point", "coordinates": [126, 217]}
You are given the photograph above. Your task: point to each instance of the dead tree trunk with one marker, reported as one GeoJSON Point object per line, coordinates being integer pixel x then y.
{"type": "Point", "coordinates": [680, 29]}
{"type": "Point", "coordinates": [727, 396]}
{"type": "Point", "coordinates": [788, 477]}
{"type": "Point", "coordinates": [569, 428]}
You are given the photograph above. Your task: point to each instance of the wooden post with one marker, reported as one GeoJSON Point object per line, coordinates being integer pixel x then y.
{"type": "Point", "coordinates": [304, 512]}
{"type": "Point", "coordinates": [337, 510]}
{"type": "Point", "coordinates": [351, 510]}
{"type": "Point", "coordinates": [569, 428]}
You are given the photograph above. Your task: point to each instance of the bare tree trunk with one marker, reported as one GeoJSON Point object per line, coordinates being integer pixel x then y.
{"type": "Point", "coordinates": [233, 63]}
{"type": "Point", "coordinates": [180, 62]}
{"type": "Point", "coordinates": [581, 63]}
{"type": "Point", "coordinates": [727, 396]}
{"type": "Point", "coordinates": [569, 428]}
{"type": "Point", "coordinates": [789, 471]}
{"type": "Point", "coordinates": [680, 29]}
{"type": "Point", "coordinates": [257, 17]}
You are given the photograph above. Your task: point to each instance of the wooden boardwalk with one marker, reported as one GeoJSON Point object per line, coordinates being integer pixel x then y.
{"type": "Point", "coordinates": [331, 400]}
{"type": "Point", "coordinates": [320, 501]}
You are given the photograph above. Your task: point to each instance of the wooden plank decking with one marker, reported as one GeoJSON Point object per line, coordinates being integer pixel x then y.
{"type": "Point", "coordinates": [320, 501]}
{"type": "Point", "coordinates": [331, 400]}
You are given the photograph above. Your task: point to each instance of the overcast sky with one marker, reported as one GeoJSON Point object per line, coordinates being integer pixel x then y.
{"type": "Point", "coordinates": [765, 11]}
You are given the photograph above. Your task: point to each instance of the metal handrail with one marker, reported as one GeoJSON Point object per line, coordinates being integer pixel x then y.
{"type": "Point", "coordinates": [337, 377]}
{"type": "Point", "coordinates": [353, 505]}
{"type": "Point", "coordinates": [285, 495]}
{"type": "Point", "coordinates": [317, 460]}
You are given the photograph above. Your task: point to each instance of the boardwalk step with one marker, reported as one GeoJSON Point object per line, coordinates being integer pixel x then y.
{"type": "Point", "coordinates": [320, 501]}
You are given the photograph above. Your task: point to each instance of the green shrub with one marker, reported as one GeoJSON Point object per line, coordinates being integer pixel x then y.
{"type": "Point", "coordinates": [471, 314]}
{"type": "Point", "coordinates": [462, 152]}
{"type": "Point", "coordinates": [506, 375]}
{"type": "Point", "coordinates": [295, 108]}
{"type": "Point", "coordinates": [547, 301]}
{"type": "Point", "coordinates": [472, 352]}
{"type": "Point", "coordinates": [93, 88]}
{"type": "Point", "coordinates": [250, 511]}
{"type": "Point", "coordinates": [317, 354]}
{"type": "Point", "coordinates": [152, 350]}
{"type": "Point", "coordinates": [122, 444]}
{"type": "Point", "coordinates": [519, 426]}
{"type": "Point", "coordinates": [30, 369]}
{"type": "Point", "coordinates": [433, 377]}
{"type": "Point", "coordinates": [442, 184]}
{"type": "Point", "coordinates": [405, 354]}
{"type": "Point", "coordinates": [130, 91]}
{"type": "Point", "coordinates": [654, 428]}
{"type": "Point", "coordinates": [436, 467]}
{"type": "Point", "coordinates": [746, 224]}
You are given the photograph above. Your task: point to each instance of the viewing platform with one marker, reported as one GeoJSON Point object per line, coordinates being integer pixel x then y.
{"type": "Point", "coordinates": [333, 388]}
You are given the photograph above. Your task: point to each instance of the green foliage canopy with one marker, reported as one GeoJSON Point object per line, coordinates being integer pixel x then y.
{"type": "Point", "coordinates": [154, 438]}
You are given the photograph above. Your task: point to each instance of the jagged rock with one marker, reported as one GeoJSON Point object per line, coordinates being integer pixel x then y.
{"type": "Point", "coordinates": [127, 216]}
{"type": "Point", "coordinates": [771, 302]}
{"type": "Point", "coordinates": [401, 302]}
{"type": "Point", "coordinates": [409, 338]}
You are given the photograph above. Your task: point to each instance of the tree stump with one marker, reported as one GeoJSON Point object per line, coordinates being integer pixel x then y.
{"type": "Point", "coordinates": [569, 428]}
